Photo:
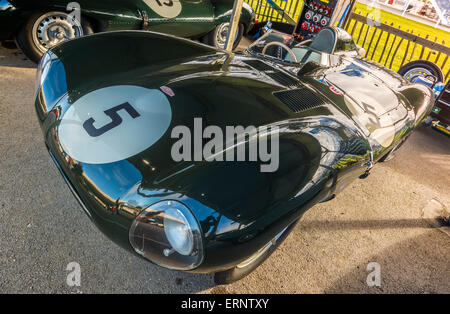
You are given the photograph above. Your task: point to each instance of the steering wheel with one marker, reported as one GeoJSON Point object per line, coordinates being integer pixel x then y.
{"type": "Point", "coordinates": [285, 47]}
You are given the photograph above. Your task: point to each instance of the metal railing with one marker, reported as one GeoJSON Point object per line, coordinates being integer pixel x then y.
{"type": "Point", "coordinates": [394, 47]}
{"type": "Point", "coordinates": [266, 12]}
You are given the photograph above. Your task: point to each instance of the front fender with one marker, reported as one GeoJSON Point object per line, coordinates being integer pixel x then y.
{"type": "Point", "coordinates": [319, 156]}
{"type": "Point", "coordinates": [76, 68]}
{"type": "Point", "coordinates": [420, 98]}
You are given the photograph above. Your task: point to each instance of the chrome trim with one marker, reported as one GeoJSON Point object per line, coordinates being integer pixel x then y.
{"type": "Point", "coordinates": [261, 251]}
{"type": "Point", "coordinates": [70, 185]}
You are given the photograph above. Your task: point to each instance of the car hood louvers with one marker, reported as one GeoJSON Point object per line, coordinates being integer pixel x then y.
{"type": "Point", "coordinates": [283, 79]}
{"type": "Point", "coordinates": [258, 65]}
{"type": "Point", "coordinates": [276, 75]}
{"type": "Point", "coordinates": [299, 99]}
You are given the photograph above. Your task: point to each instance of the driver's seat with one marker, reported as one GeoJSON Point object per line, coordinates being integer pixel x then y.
{"type": "Point", "coordinates": [324, 41]}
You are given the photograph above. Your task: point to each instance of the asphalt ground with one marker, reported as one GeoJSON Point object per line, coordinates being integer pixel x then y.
{"type": "Point", "coordinates": [380, 219]}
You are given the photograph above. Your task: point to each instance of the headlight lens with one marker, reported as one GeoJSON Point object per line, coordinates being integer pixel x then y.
{"type": "Point", "coordinates": [168, 234]}
{"type": "Point", "coordinates": [178, 231]}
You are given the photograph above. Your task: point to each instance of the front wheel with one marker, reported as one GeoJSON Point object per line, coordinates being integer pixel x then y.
{"type": "Point", "coordinates": [218, 36]}
{"type": "Point", "coordinates": [246, 267]}
{"type": "Point", "coordinates": [43, 31]}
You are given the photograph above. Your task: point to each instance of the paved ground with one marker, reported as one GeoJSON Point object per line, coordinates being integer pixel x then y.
{"type": "Point", "coordinates": [374, 220]}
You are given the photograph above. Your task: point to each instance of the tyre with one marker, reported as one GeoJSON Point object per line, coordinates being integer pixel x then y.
{"type": "Point", "coordinates": [218, 36]}
{"type": "Point", "coordinates": [43, 31]}
{"type": "Point", "coordinates": [246, 267]}
{"type": "Point", "coordinates": [412, 70]}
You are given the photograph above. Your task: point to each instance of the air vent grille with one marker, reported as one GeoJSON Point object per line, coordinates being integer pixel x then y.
{"type": "Point", "coordinates": [258, 65]}
{"type": "Point", "coordinates": [284, 79]}
{"type": "Point", "coordinates": [299, 99]}
{"type": "Point", "coordinates": [278, 76]}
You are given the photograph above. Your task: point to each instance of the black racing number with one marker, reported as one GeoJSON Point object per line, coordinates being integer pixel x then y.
{"type": "Point", "coordinates": [168, 3]}
{"type": "Point", "coordinates": [116, 120]}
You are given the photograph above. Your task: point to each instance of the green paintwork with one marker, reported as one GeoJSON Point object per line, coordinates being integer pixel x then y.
{"type": "Point", "coordinates": [322, 149]}
{"type": "Point", "coordinates": [197, 17]}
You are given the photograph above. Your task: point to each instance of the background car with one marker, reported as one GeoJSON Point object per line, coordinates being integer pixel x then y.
{"type": "Point", "coordinates": [421, 68]}
{"type": "Point", "coordinates": [39, 25]}
{"type": "Point", "coordinates": [428, 73]}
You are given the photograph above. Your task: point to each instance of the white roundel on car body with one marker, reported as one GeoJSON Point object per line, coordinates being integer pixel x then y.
{"type": "Point", "coordinates": [165, 8]}
{"type": "Point", "coordinates": [114, 123]}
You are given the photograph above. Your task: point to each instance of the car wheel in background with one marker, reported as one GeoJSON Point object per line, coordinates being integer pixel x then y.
{"type": "Point", "coordinates": [412, 70]}
{"type": "Point", "coordinates": [43, 31]}
{"type": "Point", "coordinates": [246, 267]}
{"type": "Point", "coordinates": [218, 36]}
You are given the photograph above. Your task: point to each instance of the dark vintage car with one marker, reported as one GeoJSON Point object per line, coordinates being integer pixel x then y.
{"type": "Point", "coordinates": [40, 25]}
{"type": "Point", "coordinates": [108, 126]}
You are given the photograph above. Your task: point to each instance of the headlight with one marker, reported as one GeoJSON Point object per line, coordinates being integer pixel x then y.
{"type": "Point", "coordinates": [167, 234]}
{"type": "Point", "coordinates": [178, 231]}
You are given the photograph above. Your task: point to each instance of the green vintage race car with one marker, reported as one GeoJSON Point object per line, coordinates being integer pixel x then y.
{"type": "Point", "coordinates": [113, 126]}
{"type": "Point", "coordinates": [40, 25]}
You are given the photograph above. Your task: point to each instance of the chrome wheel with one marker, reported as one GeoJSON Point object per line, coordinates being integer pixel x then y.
{"type": "Point", "coordinates": [54, 27]}
{"type": "Point", "coordinates": [221, 34]}
{"type": "Point", "coordinates": [414, 73]}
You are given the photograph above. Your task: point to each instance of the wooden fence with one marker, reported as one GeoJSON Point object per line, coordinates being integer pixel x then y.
{"type": "Point", "coordinates": [394, 47]}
